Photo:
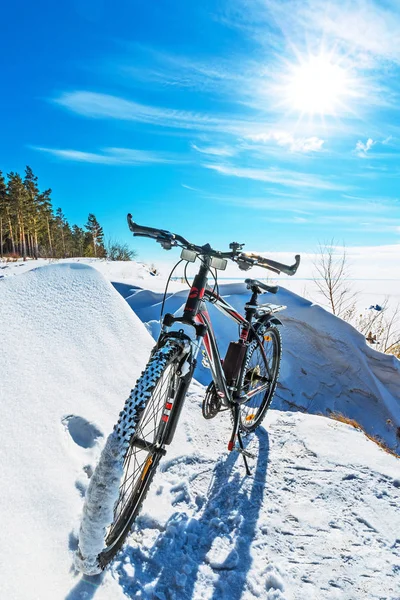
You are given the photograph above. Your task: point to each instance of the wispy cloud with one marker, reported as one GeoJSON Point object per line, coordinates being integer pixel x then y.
{"type": "Point", "coordinates": [362, 149]}
{"type": "Point", "coordinates": [278, 176]}
{"type": "Point", "coordinates": [114, 156]}
{"type": "Point", "coordinates": [360, 206]}
{"type": "Point", "coordinates": [193, 73]}
{"type": "Point", "coordinates": [370, 27]}
{"type": "Point", "coordinates": [294, 144]}
{"type": "Point", "coordinates": [105, 106]}
{"type": "Point", "coordinates": [216, 150]}
{"type": "Point", "coordinates": [191, 188]}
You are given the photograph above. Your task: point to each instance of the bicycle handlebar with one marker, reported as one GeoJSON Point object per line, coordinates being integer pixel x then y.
{"type": "Point", "coordinates": [244, 260]}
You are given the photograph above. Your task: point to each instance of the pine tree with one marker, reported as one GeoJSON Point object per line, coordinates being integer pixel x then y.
{"type": "Point", "coordinates": [95, 237]}
{"type": "Point", "coordinates": [78, 241]}
{"type": "Point", "coordinates": [60, 242]}
{"type": "Point", "coordinates": [32, 190]}
{"type": "Point", "coordinates": [3, 213]}
{"type": "Point", "coordinates": [19, 201]}
{"type": "Point", "coordinates": [46, 222]}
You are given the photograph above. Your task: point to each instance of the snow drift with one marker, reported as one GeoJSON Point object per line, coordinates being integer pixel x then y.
{"type": "Point", "coordinates": [326, 366]}
{"type": "Point", "coordinates": [319, 519]}
{"type": "Point", "coordinates": [68, 359]}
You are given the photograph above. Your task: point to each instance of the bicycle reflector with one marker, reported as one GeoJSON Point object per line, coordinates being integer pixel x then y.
{"type": "Point", "coordinates": [218, 263]}
{"type": "Point", "coordinates": [188, 255]}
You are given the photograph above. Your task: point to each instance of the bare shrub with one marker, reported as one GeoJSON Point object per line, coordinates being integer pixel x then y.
{"type": "Point", "coordinates": [118, 251]}
{"type": "Point", "coordinates": [331, 276]}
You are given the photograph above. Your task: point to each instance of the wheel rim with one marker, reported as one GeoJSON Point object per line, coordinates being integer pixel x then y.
{"type": "Point", "coordinates": [256, 370]}
{"type": "Point", "coordinates": [138, 461]}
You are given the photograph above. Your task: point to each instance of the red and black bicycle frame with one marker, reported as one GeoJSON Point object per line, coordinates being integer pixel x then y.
{"type": "Point", "coordinates": [195, 313]}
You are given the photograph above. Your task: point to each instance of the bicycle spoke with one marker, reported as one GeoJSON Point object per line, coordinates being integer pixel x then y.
{"type": "Point", "coordinates": [261, 369]}
{"type": "Point", "coordinates": [147, 431]}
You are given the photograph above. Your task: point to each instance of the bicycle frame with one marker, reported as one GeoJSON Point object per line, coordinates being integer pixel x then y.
{"type": "Point", "coordinates": [196, 315]}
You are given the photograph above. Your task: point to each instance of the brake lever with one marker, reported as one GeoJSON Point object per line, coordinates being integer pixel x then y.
{"type": "Point", "coordinates": [166, 244]}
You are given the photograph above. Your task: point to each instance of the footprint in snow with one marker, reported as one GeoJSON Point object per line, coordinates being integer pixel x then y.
{"type": "Point", "coordinates": [82, 432]}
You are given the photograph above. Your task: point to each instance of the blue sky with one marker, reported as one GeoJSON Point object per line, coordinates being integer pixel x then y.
{"type": "Point", "coordinates": [270, 122]}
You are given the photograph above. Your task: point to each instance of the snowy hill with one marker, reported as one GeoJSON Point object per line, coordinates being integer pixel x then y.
{"type": "Point", "coordinates": [68, 357]}
{"type": "Point", "coordinates": [320, 518]}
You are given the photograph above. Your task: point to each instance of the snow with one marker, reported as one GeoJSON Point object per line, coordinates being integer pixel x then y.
{"type": "Point", "coordinates": [69, 349]}
{"type": "Point", "coordinates": [319, 519]}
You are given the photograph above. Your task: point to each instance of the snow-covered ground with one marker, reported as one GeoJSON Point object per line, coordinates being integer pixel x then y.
{"type": "Point", "coordinates": [319, 519]}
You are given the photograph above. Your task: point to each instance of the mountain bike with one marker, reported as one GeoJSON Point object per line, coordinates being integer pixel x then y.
{"type": "Point", "coordinates": [243, 383]}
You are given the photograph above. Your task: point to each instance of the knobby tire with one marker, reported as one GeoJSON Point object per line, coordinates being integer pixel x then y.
{"type": "Point", "coordinates": [141, 418]}
{"type": "Point", "coordinates": [254, 410]}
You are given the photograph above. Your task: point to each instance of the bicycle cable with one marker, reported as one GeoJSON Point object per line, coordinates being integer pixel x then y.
{"type": "Point", "coordinates": [214, 276]}
{"type": "Point", "coordinates": [185, 275]}
{"type": "Point", "coordinates": [166, 288]}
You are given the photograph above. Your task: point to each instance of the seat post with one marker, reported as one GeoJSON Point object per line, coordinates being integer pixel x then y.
{"type": "Point", "coordinates": [251, 306]}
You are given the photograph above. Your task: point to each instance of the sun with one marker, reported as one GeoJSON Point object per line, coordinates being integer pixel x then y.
{"type": "Point", "coordinates": [316, 85]}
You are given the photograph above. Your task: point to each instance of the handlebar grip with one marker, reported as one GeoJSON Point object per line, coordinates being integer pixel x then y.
{"type": "Point", "coordinates": [151, 232]}
{"type": "Point", "coordinates": [160, 235]}
{"type": "Point", "coordinates": [280, 267]}
{"type": "Point", "coordinates": [294, 267]}
{"type": "Point", "coordinates": [272, 289]}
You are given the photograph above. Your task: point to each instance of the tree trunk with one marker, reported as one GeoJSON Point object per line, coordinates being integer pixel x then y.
{"type": "Point", "coordinates": [31, 250]}
{"type": "Point", "coordinates": [49, 234]}
{"type": "Point", "coordinates": [22, 236]}
{"type": "Point", "coordinates": [11, 232]}
{"type": "Point", "coordinates": [63, 242]}
{"type": "Point", "coordinates": [36, 244]}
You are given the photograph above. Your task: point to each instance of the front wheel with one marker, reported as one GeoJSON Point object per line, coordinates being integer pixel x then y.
{"type": "Point", "coordinates": [128, 462]}
{"type": "Point", "coordinates": [261, 370]}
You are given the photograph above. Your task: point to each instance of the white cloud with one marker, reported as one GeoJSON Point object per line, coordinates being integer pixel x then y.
{"type": "Point", "coordinates": [215, 150]}
{"type": "Point", "coordinates": [105, 106]}
{"type": "Point", "coordinates": [280, 176]}
{"type": "Point", "coordinates": [368, 28]}
{"type": "Point", "coordinates": [387, 140]}
{"type": "Point", "coordinates": [286, 139]}
{"type": "Point", "coordinates": [361, 149]}
{"type": "Point", "coordinates": [217, 75]}
{"type": "Point", "coordinates": [114, 156]}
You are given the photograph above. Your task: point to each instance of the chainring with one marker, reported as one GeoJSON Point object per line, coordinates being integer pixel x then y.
{"type": "Point", "coordinates": [212, 403]}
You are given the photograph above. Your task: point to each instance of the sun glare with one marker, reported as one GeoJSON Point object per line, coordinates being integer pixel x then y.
{"type": "Point", "coordinates": [316, 85]}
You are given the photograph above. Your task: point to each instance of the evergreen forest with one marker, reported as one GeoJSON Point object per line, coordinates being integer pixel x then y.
{"type": "Point", "coordinates": [31, 227]}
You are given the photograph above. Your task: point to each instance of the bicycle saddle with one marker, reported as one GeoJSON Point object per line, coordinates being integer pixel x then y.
{"type": "Point", "coordinates": [273, 289]}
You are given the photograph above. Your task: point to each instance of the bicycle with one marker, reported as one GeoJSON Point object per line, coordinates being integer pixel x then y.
{"type": "Point", "coordinates": [243, 383]}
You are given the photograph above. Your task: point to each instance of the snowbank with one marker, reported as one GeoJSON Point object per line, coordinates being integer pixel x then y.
{"type": "Point", "coordinates": [327, 365]}
{"type": "Point", "coordinates": [69, 357]}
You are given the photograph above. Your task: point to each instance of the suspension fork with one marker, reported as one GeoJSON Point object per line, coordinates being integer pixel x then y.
{"type": "Point", "coordinates": [177, 405]}
{"type": "Point", "coordinates": [172, 410]}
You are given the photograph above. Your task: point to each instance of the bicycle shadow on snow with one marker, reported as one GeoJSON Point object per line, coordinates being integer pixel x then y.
{"type": "Point", "coordinates": [85, 588]}
{"type": "Point", "coordinates": [228, 519]}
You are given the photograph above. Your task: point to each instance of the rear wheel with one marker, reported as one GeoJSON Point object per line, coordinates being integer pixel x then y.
{"type": "Point", "coordinates": [141, 432]}
{"type": "Point", "coordinates": [261, 368]}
